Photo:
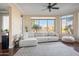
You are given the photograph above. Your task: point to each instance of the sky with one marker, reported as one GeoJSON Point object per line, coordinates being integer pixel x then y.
{"type": "Point", "coordinates": [44, 22]}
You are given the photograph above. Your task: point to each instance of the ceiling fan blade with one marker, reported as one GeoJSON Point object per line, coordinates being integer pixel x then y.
{"type": "Point", "coordinates": [55, 8]}
{"type": "Point", "coordinates": [54, 4]}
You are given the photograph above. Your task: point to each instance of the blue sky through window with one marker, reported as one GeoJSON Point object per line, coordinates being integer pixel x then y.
{"type": "Point", "coordinates": [44, 22]}
{"type": "Point", "coordinates": [50, 22]}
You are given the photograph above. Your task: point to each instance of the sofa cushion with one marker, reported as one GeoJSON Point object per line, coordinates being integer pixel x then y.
{"type": "Point", "coordinates": [30, 34]}
{"type": "Point", "coordinates": [40, 34]}
{"type": "Point", "coordinates": [37, 34]}
{"type": "Point", "coordinates": [52, 34]}
{"type": "Point", "coordinates": [45, 34]}
{"type": "Point", "coordinates": [47, 39]}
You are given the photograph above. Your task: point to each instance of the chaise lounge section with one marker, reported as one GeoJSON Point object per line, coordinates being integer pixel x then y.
{"type": "Point", "coordinates": [28, 42]}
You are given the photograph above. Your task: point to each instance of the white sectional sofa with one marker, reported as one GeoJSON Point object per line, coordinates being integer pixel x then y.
{"type": "Point", "coordinates": [32, 38]}
{"type": "Point", "coordinates": [43, 36]}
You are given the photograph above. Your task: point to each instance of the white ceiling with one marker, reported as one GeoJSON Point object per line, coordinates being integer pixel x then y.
{"type": "Point", "coordinates": [39, 9]}
{"type": "Point", "coordinates": [36, 9]}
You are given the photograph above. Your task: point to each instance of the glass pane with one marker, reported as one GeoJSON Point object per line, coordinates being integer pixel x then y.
{"type": "Point", "coordinates": [63, 26]}
{"type": "Point", "coordinates": [37, 22]}
{"type": "Point", "coordinates": [51, 26]}
{"type": "Point", "coordinates": [43, 25]}
{"type": "Point", "coordinates": [69, 20]}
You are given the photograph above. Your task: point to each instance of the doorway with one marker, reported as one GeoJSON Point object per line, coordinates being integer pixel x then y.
{"type": "Point", "coordinates": [4, 24]}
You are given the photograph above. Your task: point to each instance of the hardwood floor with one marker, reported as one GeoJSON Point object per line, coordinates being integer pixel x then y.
{"type": "Point", "coordinates": [7, 52]}
{"type": "Point", "coordinates": [11, 52]}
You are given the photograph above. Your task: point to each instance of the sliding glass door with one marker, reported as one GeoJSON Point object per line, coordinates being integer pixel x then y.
{"type": "Point", "coordinates": [44, 25]}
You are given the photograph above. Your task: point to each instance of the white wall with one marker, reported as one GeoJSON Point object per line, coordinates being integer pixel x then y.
{"type": "Point", "coordinates": [15, 24]}
{"type": "Point", "coordinates": [75, 24]}
{"type": "Point", "coordinates": [78, 24]}
{"type": "Point", "coordinates": [27, 22]}
{"type": "Point", "coordinates": [58, 25]}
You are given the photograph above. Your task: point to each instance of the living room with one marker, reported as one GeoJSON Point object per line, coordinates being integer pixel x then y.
{"type": "Point", "coordinates": [35, 28]}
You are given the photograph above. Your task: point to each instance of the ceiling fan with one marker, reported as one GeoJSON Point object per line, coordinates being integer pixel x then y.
{"type": "Point", "coordinates": [51, 6]}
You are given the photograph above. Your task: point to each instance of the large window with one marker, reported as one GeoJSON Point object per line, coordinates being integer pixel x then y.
{"type": "Point", "coordinates": [67, 24]}
{"type": "Point", "coordinates": [5, 23]}
{"type": "Point", "coordinates": [43, 25]}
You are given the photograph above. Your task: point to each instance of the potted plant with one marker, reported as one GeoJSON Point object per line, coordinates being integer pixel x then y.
{"type": "Point", "coordinates": [5, 32]}
{"type": "Point", "coordinates": [36, 27]}
{"type": "Point", "coordinates": [26, 29]}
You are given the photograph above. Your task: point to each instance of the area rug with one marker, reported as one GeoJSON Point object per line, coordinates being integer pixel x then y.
{"type": "Point", "coordinates": [48, 49]}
